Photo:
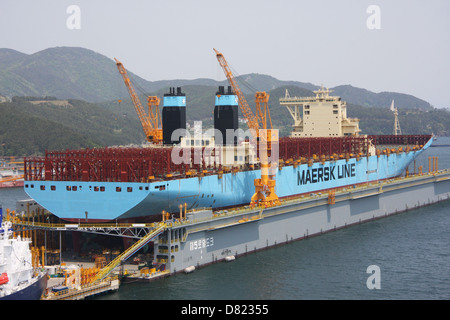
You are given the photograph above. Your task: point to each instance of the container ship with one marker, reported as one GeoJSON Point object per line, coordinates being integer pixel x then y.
{"type": "Point", "coordinates": [218, 170]}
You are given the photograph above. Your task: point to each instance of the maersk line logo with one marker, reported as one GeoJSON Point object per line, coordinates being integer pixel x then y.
{"type": "Point", "coordinates": [326, 174]}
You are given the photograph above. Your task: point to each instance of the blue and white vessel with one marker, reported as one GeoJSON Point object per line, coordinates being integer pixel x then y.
{"type": "Point", "coordinates": [74, 187]}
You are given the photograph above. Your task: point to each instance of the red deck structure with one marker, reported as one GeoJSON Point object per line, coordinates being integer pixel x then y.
{"type": "Point", "coordinates": [146, 164]}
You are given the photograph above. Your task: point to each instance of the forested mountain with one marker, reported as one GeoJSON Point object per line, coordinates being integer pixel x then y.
{"type": "Point", "coordinates": [64, 98]}
{"type": "Point", "coordinates": [367, 98]}
{"type": "Point", "coordinates": [78, 73]}
{"type": "Point", "coordinates": [66, 73]}
{"type": "Point", "coordinates": [31, 127]}
{"type": "Point", "coordinates": [375, 120]}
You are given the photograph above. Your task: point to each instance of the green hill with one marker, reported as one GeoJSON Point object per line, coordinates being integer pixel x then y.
{"type": "Point", "coordinates": [80, 108]}
{"type": "Point", "coordinates": [78, 73]}
{"type": "Point", "coordinates": [367, 98]}
{"type": "Point", "coordinates": [374, 120]}
{"type": "Point", "coordinates": [66, 73]}
{"type": "Point", "coordinates": [23, 134]}
{"type": "Point", "coordinates": [31, 127]}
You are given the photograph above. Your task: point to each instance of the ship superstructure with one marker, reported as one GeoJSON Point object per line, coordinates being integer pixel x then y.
{"type": "Point", "coordinates": [320, 116]}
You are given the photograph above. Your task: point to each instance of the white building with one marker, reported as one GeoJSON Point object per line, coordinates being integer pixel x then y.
{"type": "Point", "coordinates": [320, 116]}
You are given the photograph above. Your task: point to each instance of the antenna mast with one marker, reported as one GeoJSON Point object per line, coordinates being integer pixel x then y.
{"type": "Point", "coordinates": [397, 130]}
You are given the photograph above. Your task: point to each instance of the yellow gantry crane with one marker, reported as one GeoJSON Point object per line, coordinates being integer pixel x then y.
{"type": "Point", "coordinates": [151, 123]}
{"type": "Point", "coordinates": [265, 187]}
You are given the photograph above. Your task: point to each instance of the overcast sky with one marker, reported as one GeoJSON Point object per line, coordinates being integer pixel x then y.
{"type": "Point", "coordinates": [401, 46]}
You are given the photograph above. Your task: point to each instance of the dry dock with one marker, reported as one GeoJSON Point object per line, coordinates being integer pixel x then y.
{"type": "Point", "coordinates": [204, 236]}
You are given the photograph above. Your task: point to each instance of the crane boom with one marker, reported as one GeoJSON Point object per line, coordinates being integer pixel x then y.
{"type": "Point", "coordinates": [150, 123]}
{"type": "Point", "coordinates": [265, 194]}
{"type": "Point", "coordinates": [252, 120]}
{"type": "Point", "coordinates": [262, 109]}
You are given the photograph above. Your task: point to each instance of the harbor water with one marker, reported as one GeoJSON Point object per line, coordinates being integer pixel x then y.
{"type": "Point", "coordinates": [404, 256]}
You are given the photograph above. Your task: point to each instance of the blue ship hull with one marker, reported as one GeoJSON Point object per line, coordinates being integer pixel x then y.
{"type": "Point", "coordinates": [102, 201]}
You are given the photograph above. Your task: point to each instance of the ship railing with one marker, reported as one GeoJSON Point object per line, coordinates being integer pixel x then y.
{"type": "Point", "coordinates": [215, 215]}
{"type": "Point", "coordinates": [87, 226]}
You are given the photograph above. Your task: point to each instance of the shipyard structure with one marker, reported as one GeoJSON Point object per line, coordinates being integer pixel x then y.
{"type": "Point", "coordinates": [228, 191]}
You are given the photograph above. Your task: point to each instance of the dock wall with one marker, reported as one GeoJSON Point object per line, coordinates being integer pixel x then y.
{"type": "Point", "coordinates": [248, 230]}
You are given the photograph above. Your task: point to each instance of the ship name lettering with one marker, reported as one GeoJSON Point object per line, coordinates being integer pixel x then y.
{"type": "Point", "coordinates": [324, 174]}
{"type": "Point", "coordinates": [201, 243]}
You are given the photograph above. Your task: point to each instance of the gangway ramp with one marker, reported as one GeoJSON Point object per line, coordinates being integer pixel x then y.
{"type": "Point", "coordinates": [130, 251]}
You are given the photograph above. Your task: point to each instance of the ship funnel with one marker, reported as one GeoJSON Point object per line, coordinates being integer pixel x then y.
{"type": "Point", "coordinates": [225, 116]}
{"type": "Point", "coordinates": [173, 114]}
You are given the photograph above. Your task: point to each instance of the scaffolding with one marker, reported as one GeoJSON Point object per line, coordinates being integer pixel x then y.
{"type": "Point", "coordinates": [155, 164]}
{"type": "Point", "coordinates": [130, 251]}
{"type": "Point", "coordinates": [142, 231]}
{"type": "Point", "coordinates": [127, 230]}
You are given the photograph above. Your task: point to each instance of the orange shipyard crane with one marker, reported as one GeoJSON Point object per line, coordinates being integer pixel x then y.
{"type": "Point", "coordinates": [151, 123]}
{"type": "Point", "coordinates": [252, 121]}
{"type": "Point", "coordinates": [265, 187]}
